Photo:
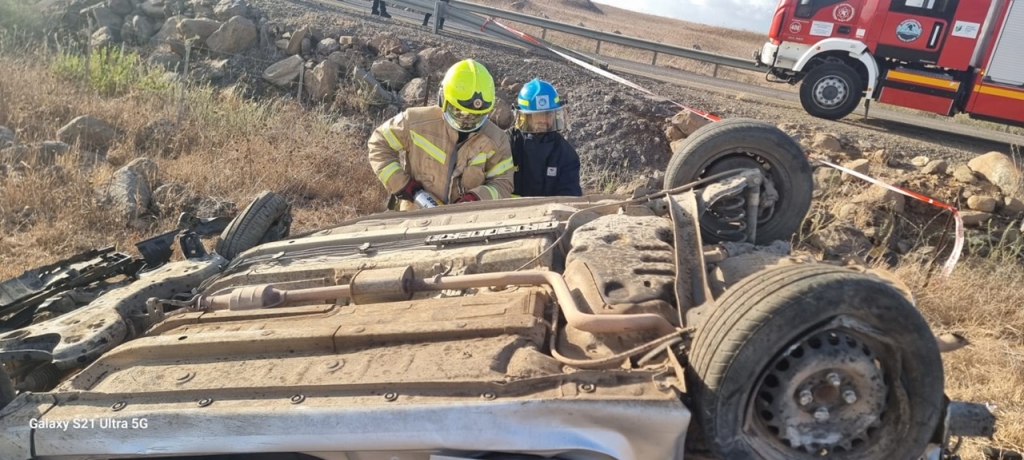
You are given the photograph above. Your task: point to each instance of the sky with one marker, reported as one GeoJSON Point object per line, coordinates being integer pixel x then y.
{"type": "Point", "coordinates": [754, 15]}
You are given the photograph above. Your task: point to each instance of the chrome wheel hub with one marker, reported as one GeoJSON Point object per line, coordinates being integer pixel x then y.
{"type": "Point", "coordinates": [830, 92]}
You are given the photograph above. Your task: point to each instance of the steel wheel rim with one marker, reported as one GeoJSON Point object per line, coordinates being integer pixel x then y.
{"type": "Point", "coordinates": [825, 395]}
{"type": "Point", "coordinates": [830, 92]}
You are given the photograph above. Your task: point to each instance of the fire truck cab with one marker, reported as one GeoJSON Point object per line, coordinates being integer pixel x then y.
{"type": "Point", "coordinates": [940, 56]}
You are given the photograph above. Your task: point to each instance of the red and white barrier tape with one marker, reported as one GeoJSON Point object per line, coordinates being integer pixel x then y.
{"type": "Point", "coordinates": [958, 245]}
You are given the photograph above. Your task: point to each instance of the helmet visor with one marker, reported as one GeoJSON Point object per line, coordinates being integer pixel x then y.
{"type": "Point", "coordinates": [541, 122]}
{"type": "Point", "coordinates": [463, 121]}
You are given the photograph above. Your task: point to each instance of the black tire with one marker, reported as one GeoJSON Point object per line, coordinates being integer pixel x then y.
{"type": "Point", "coordinates": [764, 319]}
{"type": "Point", "coordinates": [266, 219]}
{"type": "Point", "coordinates": [729, 144]}
{"type": "Point", "coordinates": [831, 91]}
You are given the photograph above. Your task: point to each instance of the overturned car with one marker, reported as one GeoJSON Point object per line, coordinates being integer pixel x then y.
{"type": "Point", "coordinates": [663, 325]}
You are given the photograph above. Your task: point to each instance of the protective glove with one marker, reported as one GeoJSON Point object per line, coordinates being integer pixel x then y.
{"type": "Point", "coordinates": [409, 191]}
{"type": "Point", "coordinates": [467, 198]}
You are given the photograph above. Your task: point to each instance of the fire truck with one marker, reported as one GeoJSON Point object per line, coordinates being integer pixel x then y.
{"type": "Point", "coordinates": [941, 56]}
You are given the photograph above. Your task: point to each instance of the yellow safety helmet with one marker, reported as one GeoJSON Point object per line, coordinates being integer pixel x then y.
{"type": "Point", "coordinates": [467, 95]}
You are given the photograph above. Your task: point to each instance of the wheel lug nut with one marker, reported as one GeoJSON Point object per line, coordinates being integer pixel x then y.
{"type": "Point", "coordinates": [849, 396]}
{"type": "Point", "coordinates": [833, 379]}
{"type": "Point", "coordinates": [806, 397]}
{"type": "Point", "coordinates": [821, 414]}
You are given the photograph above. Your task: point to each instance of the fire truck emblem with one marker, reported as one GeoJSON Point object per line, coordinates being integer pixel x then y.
{"type": "Point", "coordinates": [908, 30]}
{"type": "Point", "coordinates": [844, 13]}
{"type": "Point", "coordinates": [796, 27]}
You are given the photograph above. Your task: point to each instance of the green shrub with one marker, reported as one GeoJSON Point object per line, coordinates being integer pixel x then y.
{"type": "Point", "coordinates": [112, 71]}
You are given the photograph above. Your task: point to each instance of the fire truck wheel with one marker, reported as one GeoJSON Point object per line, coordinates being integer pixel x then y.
{"type": "Point", "coordinates": [740, 143]}
{"type": "Point", "coordinates": [266, 219]}
{"type": "Point", "coordinates": [831, 91]}
{"type": "Point", "coordinates": [811, 360]}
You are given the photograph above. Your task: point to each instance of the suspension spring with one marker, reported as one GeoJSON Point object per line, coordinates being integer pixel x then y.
{"type": "Point", "coordinates": [731, 216]}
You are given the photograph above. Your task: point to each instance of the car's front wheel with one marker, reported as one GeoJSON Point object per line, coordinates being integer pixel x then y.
{"type": "Point", "coordinates": [810, 361]}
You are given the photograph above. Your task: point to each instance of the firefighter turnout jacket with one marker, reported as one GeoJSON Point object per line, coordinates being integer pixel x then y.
{"type": "Point", "coordinates": [546, 165]}
{"type": "Point", "coordinates": [482, 164]}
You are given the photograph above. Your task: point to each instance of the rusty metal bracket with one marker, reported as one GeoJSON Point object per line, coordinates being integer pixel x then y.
{"type": "Point", "coordinates": [693, 295]}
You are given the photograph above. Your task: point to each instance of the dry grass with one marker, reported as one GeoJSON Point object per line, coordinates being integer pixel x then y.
{"type": "Point", "coordinates": [982, 300]}
{"type": "Point", "coordinates": [227, 148]}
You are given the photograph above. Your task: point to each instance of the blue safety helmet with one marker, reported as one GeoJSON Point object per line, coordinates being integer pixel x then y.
{"type": "Point", "coordinates": [540, 108]}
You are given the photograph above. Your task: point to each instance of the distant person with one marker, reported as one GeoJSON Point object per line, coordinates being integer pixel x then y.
{"type": "Point", "coordinates": [440, 20]}
{"type": "Point", "coordinates": [546, 164]}
{"type": "Point", "coordinates": [454, 153]}
{"type": "Point", "coordinates": [380, 8]}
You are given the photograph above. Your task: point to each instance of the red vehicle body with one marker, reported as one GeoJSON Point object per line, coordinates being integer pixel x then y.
{"type": "Point", "coordinates": [940, 56]}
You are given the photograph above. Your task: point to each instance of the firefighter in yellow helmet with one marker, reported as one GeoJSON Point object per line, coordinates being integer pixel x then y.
{"type": "Point", "coordinates": [454, 153]}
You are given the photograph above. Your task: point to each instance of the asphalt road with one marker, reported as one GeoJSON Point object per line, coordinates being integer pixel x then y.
{"type": "Point", "coordinates": [894, 122]}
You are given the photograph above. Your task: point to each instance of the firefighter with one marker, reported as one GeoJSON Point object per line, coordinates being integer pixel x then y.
{"type": "Point", "coordinates": [546, 163]}
{"type": "Point", "coordinates": [440, 19]}
{"type": "Point", "coordinates": [380, 8]}
{"type": "Point", "coordinates": [454, 153]}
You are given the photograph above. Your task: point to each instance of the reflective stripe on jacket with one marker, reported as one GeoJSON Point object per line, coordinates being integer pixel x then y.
{"type": "Point", "coordinates": [482, 164]}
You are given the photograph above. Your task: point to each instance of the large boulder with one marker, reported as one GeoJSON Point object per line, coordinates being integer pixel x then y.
{"type": "Point", "coordinates": [688, 122]}
{"type": "Point", "coordinates": [153, 8]}
{"type": "Point", "coordinates": [826, 143]}
{"type": "Point", "coordinates": [103, 17]}
{"type": "Point", "coordinates": [327, 46]}
{"type": "Point", "coordinates": [104, 36]}
{"type": "Point", "coordinates": [384, 45]}
{"type": "Point", "coordinates": [375, 94]}
{"type": "Point", "coordinates": [408, 61]}
{"type": "Point", "coordinates": [415, 92]}
{"type": "Point", "coordinates": [390, 74]}
{"type": "Point", "coordinates": [137, 30]}
{"type": "Point", "coordinates": [502, 114]}
{"type": "Point", "coordinates": [174, 199]}
{"type": "Point", "coordinates": [205, 72]}
{"type": "Point", "coordinates": [167, 61]}
{"type": "Point", "coordinates": [90, 132]}
{"type": "Point", "coordinates": [1000, 170]}
{"type": "Point", "coordinates": [347, 60]}
{"type": "Point", "coordinates": [433, 62]}
{"type": "Point", "coordinates": [321, 82]}
{"type": "Point", "coordinates": [285, 72]}
{"type": "Point", "coordinates": [130, 188]}
{"type": "Point", "coordinates": [120, 7]}
{"type": "Point", "coordinates": [234, 36]}
{"type": "Point", "coordinates": [197, 30]}
{"type": "Point", "coordinates": [982, 203]}
{"type": "Point", "coordinates": [168, 31]}
{"type": "Point", "coordinates": [227, 9]}
{"type": "Point", "coordinates": [295, 42]}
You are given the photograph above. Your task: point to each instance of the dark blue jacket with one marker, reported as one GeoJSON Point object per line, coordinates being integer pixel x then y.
{"type": "Point", "coordinates": [546, 165]}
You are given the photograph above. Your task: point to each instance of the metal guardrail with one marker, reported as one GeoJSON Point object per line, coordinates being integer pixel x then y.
{"type": "Point", "coordinates": [722, 60]}
{"type": "Point", "coordinates": [456, 6]}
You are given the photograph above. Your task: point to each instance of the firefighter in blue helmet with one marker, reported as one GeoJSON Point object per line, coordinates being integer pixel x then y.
{"type": "Point", "coordinates": [546, 164]}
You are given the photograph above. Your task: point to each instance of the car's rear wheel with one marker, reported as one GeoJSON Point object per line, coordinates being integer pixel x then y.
{"type": "Point", "coordinates": [740, 143]}
{"type": "Point", "coordinates": [808, 360]}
